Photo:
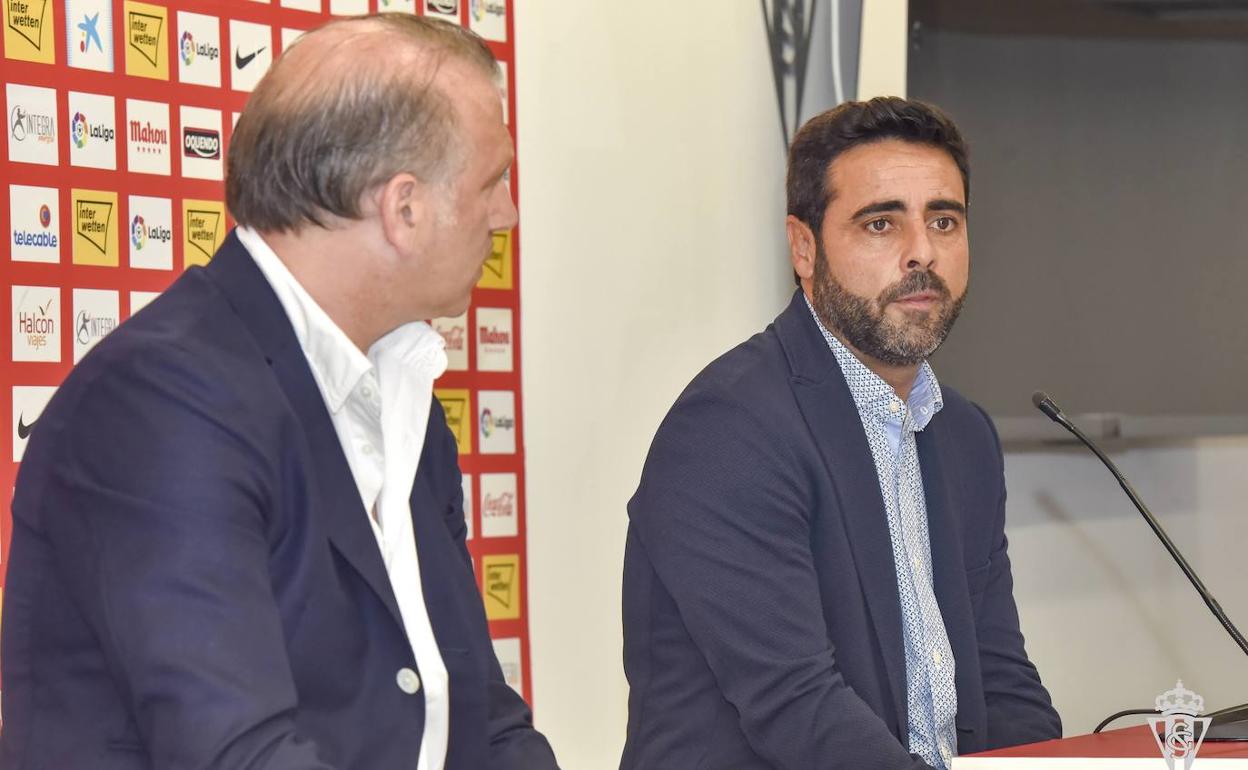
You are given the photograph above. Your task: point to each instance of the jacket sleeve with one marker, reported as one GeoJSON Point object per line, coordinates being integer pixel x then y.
{"type": "Point", "coordinates": [1019, 709]}
{"type": "Point", "coordinates": [514, 743]}
{"type": "Point", "coordinates": [155, 514]}
{"type": "Point", "coordinates": [724, 515]}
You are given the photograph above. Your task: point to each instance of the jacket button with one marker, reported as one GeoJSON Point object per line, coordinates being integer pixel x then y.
{"type": "Point", "coordinates": [408, 681]}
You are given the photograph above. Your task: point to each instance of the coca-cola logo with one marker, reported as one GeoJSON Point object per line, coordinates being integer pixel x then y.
{"type": "Point", "coordinates": [499, 506]}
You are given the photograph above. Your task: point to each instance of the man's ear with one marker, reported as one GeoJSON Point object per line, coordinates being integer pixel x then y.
{"type": "Point", "coordinates": [802, 251]}
{"type": "Point", "coordinates": [402, 206]}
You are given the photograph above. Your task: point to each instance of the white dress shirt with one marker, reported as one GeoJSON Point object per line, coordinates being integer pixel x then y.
{"type": "Point", "coordinates": [395, 379]}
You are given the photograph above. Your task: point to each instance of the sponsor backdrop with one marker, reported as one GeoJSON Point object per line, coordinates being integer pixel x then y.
{"type": "Point", "coordinates": [118, 116]}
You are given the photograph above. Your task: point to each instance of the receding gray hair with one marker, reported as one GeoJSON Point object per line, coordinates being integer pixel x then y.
{"type": "Point", "coordinates": [311, 144]}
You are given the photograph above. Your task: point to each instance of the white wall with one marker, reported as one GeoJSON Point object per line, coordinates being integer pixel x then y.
{"type": "Point", "coordinates": [651, 172]}
{"type": "Point", "coordinates": [651, 205]}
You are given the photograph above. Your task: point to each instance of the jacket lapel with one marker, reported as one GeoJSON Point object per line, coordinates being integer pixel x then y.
{"type": "Point", "coordinates": [346, 522]}
{"type": "Point", "coordinates": [836, 427]}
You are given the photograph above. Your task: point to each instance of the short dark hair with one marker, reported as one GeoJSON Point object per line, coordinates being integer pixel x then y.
{"type": "Point", "coordinates": [831, 133]}
{"type": "Point", "coordinates": [311, 146]}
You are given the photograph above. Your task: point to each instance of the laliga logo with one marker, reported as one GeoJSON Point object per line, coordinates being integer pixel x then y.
{"type": "Point", "coordinates": [78, 130]}
{"type": "Point", "coordinates": [1178, 731]}
{"type": "Point", "coordinates": [138, 233]}
{"type": "Point", "coordinates": [187, 46]}
{"type": "Point", "coordinates": [487, 423]}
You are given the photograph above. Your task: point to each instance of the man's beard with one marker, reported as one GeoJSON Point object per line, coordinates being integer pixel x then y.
{"type": "Point", "coordinates": [863, 324]}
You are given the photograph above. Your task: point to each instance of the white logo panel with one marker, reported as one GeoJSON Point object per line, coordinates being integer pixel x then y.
{"type": "Point", "coordinates": [96, 314]}
{"type": "Point", "coordinates": [498, 505]}
{"type": "Point", "coordinates": [445, 9]}
{"type": "Point", "coordinates": [252, 45]}
{"type": "Point", "coordinates": [89, 34]}
{"type": "Point", "coordinates": [454, 333]}
{"type": "Point", "coordinates": [507, 650]}
{"type": "Point", "coordinates": [488, 18]}
{"type": "Point", "coordinates": [31, 124]}
{"type": "Point", "coordinates": [92, 133]}
{"type": "Point", "coordinates": [468, 506]}
{"type": "Point", "coordinates": [312, 6]}
{"type": "Point", "coordinates": [202, 144]}
{"type": "Point", "coordinates": [199, 49]}
{"type": "Point", "coordinates": [494, 338]}
{"type": "Point", "coordinates": [28, 404]}
{"type": "Point", "coordinates": [496, 420]}
{"type": "Point", "coordinates": [34, 224]}
{"type": "Point", "coordinates": [150, 235]}
{"type": "Point", "coordinates": [141, 299]}
{"type": "Point", "coordinates": [348, 7]}
{"type": "Point", "coordinates": [36, 323]}
{"type": "Point", "coordinates": [148, 146]}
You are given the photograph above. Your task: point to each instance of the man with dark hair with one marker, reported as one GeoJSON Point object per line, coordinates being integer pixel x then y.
{"type": "Point", "coordinates": [816, 572]}
{"type": "Point", "coordinates": [238, 529]}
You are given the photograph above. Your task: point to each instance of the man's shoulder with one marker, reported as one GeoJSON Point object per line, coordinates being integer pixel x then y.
{"type": "Point", "coordinates": [753, 368]}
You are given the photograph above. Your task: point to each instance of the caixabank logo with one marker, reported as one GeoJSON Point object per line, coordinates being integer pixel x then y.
{"type": "Point", "coordinates": [28, 30]}
{"type": "Point", "coordinates": [150, 232]}
{"type": "Point", "coordinates": [37, 323]}
{"type": "Point", "coordinates": [95, 227]}
{"type": "Point", "coordinates": [35, 224]}
{"type": "Point", "coordinates": [203, 225]}
{"type": "Point", "coordinates": [147, 52]}
{"type": "Point", "coordinates": [199, 49]}
{"type": "Point", "coordinates": [89, 34]}
{"type": "Point", "coordinates": [92, 133]}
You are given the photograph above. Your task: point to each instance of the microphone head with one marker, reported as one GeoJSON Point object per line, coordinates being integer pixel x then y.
{"type": "Point", "coordinates": [1047, 405]}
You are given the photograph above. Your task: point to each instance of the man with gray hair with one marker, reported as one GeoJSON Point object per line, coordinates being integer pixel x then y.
{"type": "Point", "coordinates": [238, 532]}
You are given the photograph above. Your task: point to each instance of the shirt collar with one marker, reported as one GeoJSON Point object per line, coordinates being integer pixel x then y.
{"type": "Point", "coordinates": [876, 398]}
{"type": "Point", "coordinates": [337, 364]}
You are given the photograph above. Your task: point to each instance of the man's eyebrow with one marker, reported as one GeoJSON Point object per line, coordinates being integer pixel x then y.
{"type": "Point", "coordinates": [879, 208]}
{"type": "Point", "coordinates": [945, 204]}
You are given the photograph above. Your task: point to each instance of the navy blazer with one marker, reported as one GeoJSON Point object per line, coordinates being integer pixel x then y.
{"type": "Point", "coordinates": [762, 626]}
{"type": "Point", "coordinates": [193, 581]}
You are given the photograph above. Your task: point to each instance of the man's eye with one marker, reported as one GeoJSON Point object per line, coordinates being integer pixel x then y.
{"type": "Point", "coordinates": [877, 225]}
{"type": "Point", "coordinates": [944, 223]}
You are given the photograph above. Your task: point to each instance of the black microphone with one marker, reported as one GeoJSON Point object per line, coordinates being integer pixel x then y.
{"type": "Point", "coordinates": [1228, 724]}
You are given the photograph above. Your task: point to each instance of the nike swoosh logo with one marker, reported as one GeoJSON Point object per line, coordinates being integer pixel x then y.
{"type": "Point", "coordinates": [23, 430]}
{"type": "Point", "coordinates": [241, 61]}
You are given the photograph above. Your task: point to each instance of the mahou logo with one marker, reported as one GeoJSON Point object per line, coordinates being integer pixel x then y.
{"type": "Point", "coordinates": [148, 137]}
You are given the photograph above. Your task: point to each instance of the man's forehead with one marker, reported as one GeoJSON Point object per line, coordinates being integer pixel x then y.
{"type": "Point", "coordinates": [893, 168]}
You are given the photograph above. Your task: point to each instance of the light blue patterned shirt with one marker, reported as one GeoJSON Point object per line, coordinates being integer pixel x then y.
{"type": "Point", "coordinates": [890, 425]}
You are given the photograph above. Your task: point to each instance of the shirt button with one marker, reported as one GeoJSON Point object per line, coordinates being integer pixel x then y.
{"type": "Point", "coordinates": [944, 752]}
{"type": "Point", "coordinates": [894, 407]}
{"type": "Point", "coordinates": [408, 681]}
{"type": "Point", "coordinates": [366, 392]}
{"type": "Point", "coordinates": [368, 449]}
{"type": "Point", "coordinates": [936, 656]}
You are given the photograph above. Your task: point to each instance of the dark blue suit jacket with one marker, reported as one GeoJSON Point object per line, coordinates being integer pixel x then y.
{"type": "Point", "coordinates": [193, 582]}
{"type": "Point", "coordinates": [762, 626]}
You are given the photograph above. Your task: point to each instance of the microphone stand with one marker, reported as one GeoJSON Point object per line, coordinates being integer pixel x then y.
{"type": "Point", "coordinates": [1230, 724]}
